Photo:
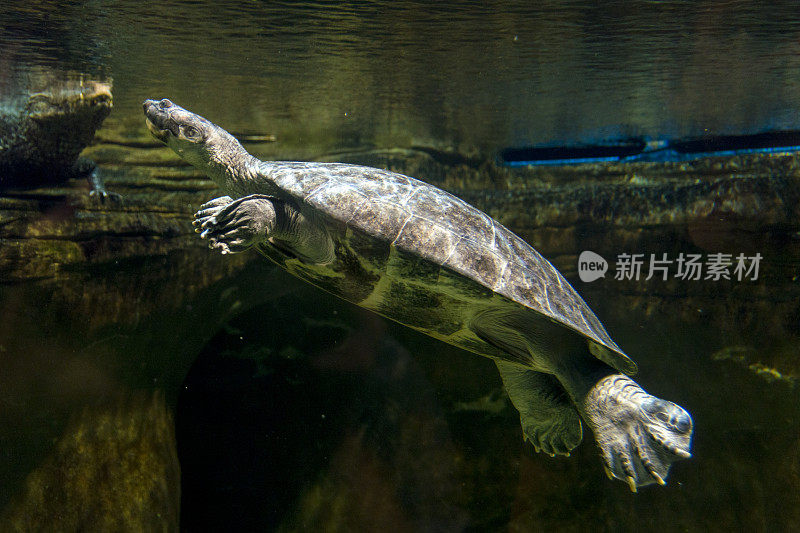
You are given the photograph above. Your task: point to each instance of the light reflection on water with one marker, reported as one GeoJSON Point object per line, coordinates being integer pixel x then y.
{"type": "Point", "coordinates": [491, 75]}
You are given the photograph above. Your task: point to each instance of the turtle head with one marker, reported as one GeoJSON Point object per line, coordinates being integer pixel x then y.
{"type": "Point", "coordinates": [196, 140]}
{"type": "Point", "coordinates": [62, 112]}
{"type": "Point", "coordinates": [70, 95]}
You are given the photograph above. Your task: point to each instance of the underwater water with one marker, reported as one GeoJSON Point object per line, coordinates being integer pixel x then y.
{"type": "Point", "coordinates": [148, 383]}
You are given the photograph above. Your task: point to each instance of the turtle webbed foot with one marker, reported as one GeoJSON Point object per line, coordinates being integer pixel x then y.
{"type": "Point", "coordinates": [104, 196]}
{"type": "Point", "coordinates": [97, 190]}
{"type": "Point", "coordinates": [233, 226]}
{"type": "Point", "coordinates": [639, 435]}
{"type": "Point", "coordinates": [558, 435]}
{"type": "Point", "coordinates": [549, 421]}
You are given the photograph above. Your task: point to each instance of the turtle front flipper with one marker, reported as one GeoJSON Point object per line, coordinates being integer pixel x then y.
{"type": "Point", "coordinates": [549, 421]}
{"type": "Point", "coordinates": [233, 226]}
{"type": "Point", "coordinates": [639, 435]}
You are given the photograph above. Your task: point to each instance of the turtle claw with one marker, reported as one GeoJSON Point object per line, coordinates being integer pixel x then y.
{"type": "Point", "coordinates": [683, 454]}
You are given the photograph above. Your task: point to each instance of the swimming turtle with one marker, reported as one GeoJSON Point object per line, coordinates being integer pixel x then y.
{"type": "Point", "coordinates": [47, 117]}
{"type": "Point", "coordinates": [426, 259]}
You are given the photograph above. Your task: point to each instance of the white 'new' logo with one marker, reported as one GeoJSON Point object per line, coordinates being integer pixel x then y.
{"type": "Point", "coordinates": [591, 266]}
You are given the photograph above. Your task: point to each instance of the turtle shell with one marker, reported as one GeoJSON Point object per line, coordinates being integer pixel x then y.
{"type": "Point", "coordinates": [420, 221]}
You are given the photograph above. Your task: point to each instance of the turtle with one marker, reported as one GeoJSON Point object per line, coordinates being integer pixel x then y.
{"type": "Point", "coordinates": [422, 257]}
{"type": "Point", "coordinates": [47, 117]}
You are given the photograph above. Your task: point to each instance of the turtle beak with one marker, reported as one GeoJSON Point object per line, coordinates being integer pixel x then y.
{"type": "Point", "coordinates": [98, 93]}
{"type": "Point", "coordinates": [161, 135]}
{"type": "Point", "coordinates": [157, 119]}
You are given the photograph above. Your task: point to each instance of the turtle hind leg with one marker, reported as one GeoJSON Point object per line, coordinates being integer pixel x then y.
{"type": "Point", "coordinates": [549, 421]}
{"type": "Point", "coordinates": [87, 168]}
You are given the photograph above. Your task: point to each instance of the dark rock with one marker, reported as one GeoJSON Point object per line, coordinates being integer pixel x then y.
{"type": "Point", "coordinates": [113, 469]}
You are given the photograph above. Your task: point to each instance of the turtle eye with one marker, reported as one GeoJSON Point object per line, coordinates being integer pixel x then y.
{"type": "Point", "coordinates": [38, 103]}
{"type": "Point", "coordinates": [163, 104]}
{"type": "Point", "coordinates": [191, 133]}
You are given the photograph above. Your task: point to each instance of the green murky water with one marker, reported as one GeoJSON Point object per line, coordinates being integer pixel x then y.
{"type": "Point", "coordinates": [142, 379]}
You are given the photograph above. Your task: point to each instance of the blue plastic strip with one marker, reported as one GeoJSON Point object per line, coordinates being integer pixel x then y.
{"type": "Point", "coordinates": [657, 155]}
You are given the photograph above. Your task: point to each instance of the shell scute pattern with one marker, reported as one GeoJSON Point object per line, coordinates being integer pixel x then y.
{"type": "Point", "coordinates": [337, 198]}
{"type": "Point", "coordinates": [376, 184]}
{"type": "Point", "coordinates": [452, 214]}
{"type": "Point", "coordinates": [524, 285]}
{"type": "Point", "coordinates": [379, 219]}
{"type": "Point", "coordinates": [434, 242]}
{"type": "Point", "coordinates": [478, 262]}
{"type": "Point", "coordinates": [285, 177]}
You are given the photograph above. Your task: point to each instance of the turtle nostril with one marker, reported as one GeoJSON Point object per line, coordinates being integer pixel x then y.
{"type": "Point", "coordinates": [163, 104]}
